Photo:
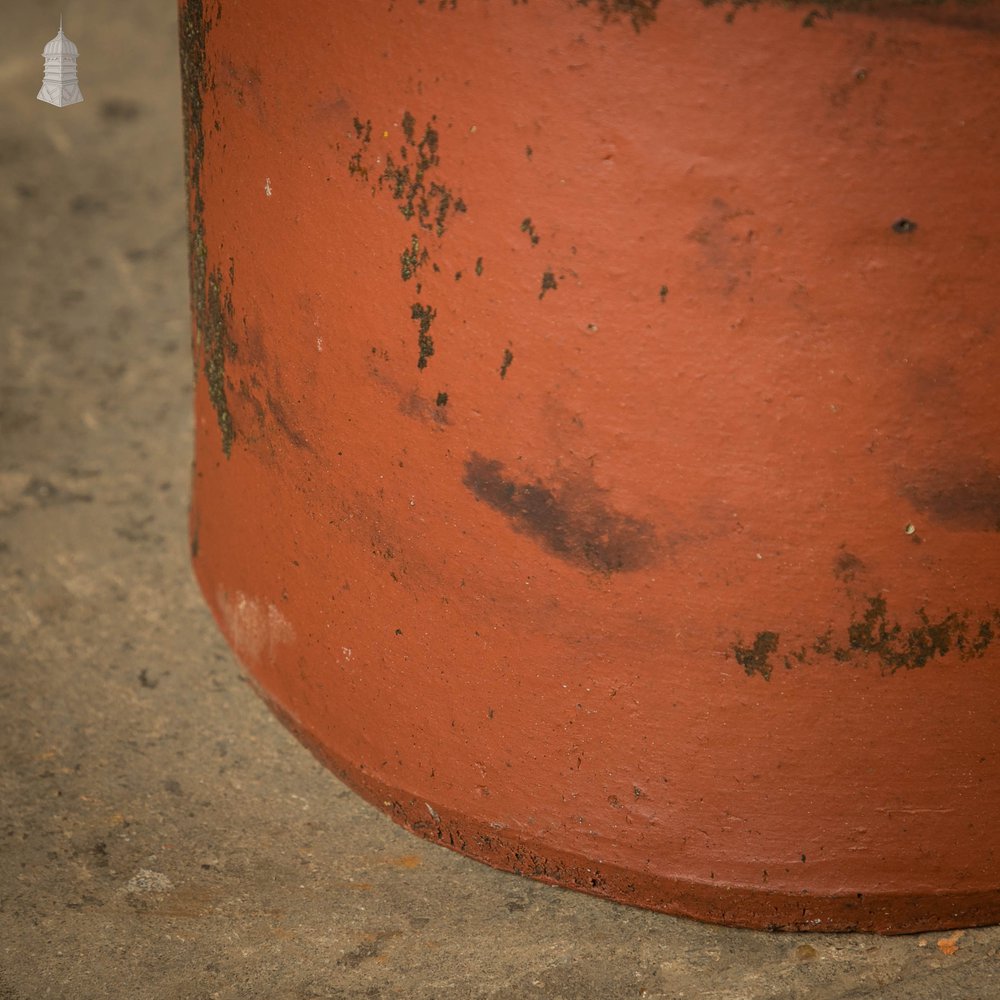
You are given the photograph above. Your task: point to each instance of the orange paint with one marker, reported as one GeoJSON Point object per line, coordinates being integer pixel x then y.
{"type": "Point", "coordinates": [409, 861]}
{"type": "Point", "coordinates": [598, 456]}
{"type": "Point", "coordinates": [949, 945]}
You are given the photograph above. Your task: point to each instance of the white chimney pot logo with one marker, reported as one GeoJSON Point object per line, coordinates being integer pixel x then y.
{"type": "Point", "coordinates": [60, 86]}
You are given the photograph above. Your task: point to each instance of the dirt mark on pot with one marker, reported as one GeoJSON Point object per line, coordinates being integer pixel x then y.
{"type": "Point", "coordinates": [962, 502]}
{"type": "Point", "coordinates": [873, 633]}
{"type": "Point", "coordinates": [571, 519]}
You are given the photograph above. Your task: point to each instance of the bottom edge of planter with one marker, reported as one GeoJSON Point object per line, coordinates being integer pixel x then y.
{"type": "Point", "coordinates": [716, 903]}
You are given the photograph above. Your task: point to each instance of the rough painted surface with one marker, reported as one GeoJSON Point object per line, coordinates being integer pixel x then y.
{"type": "Point", "coordinates": [625, 494]}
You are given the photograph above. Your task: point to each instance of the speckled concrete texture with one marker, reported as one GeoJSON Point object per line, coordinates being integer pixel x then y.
{"type": "Point", "coordinates": [162, 834]}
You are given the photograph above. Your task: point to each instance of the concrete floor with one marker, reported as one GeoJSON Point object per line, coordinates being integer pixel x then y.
{"type": "Point", "coordinates": [162, 835]}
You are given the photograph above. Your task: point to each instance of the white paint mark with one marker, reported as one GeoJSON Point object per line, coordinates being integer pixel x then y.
{"type": "Point", "coordinates": [267, 186]}
{"type": "Point", "coordinates": [255, 628]}
{"type": "Point", "coordinates": [434, 815]}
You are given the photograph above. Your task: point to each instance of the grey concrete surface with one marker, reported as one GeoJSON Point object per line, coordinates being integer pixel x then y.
{"type": "Point", "coordinates": [160, 834]}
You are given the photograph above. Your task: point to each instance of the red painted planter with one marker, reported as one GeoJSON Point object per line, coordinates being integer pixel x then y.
{"type": "Point", "coordinates": [598, 450]}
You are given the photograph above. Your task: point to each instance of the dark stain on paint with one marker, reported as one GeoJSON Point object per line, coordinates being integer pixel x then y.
{"type": "Point", "coordinates": [412, 179]}
{"type": "Point", "coordinates": [727, 243]}
{"type": "Point", "coordinates": [210, 303]}
{"type": "Point", "coordinates": [262, 407]}
{"type": "Point", "coordinates": [508, 357]}
{"type": "Point", "coordinates": [571, 520]}
{"type": "Point", "coordinates": [243, 82]}
{"type": "Point", "coordinates": [411, 175]}
{"type": "Point", "coordinates": [963, 503]}
{"type": "Point", "coordinates": [941, 11]}
{"type": "Point", "coordinates": [424, 316]}
{"type": "Point", "coordinates": [846, 565]}
{"type": "Point", "coordinates": [754, 658]}
{"type": "Point", "coordinates": [411, 258]}
{"type": "Point", "coordinates": [904, 226]}
{"type": "Point", "coordinates": [548, 284]}
{"type": "Point", "coordinates": [284, 423]}
{"type": "Point", "coordinates": [873, 634]}
{"type": "Point", "coordinates": [527, 226]}
{"type": "Point", "coordinates": [409, 123]}
{"type": "Point", "coordinates": [217, 346]}
{"type": "Point", "coordinates": [432, 412]}
{"type": "Point", "coordinates": [898, 646]}
{"type": "Point", "coordinates": [641, 13]}
{"type": "Point", "coordinates": [193, 29]}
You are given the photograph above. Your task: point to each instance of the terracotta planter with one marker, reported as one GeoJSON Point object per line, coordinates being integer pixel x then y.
{"type": "Point", "coordinates": [598, 450]}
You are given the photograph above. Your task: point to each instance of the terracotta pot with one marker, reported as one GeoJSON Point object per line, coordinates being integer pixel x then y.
{"type": "Point", "coordinates": [598, 451]}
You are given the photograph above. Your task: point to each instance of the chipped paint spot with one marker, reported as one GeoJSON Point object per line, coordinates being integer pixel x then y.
{"type": "Point", "coordinates": [267, 186]}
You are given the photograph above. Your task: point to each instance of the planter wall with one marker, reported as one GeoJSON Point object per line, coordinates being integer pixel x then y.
{"type": "Point", "coordinates": [597, 446]}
